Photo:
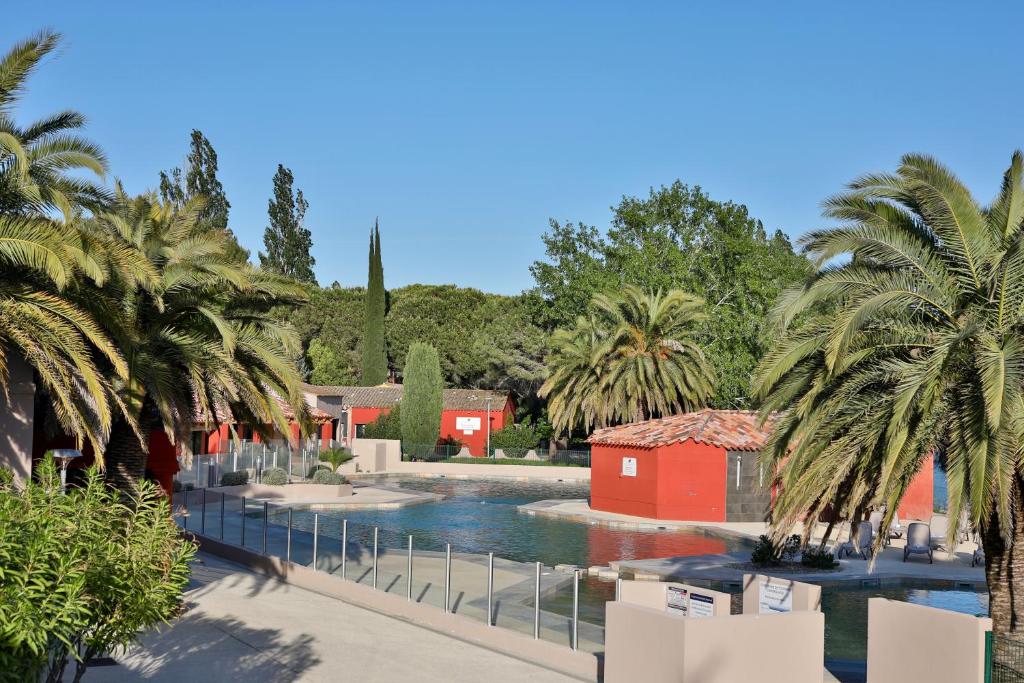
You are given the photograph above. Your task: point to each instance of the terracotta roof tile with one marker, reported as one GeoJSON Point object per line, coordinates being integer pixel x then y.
{"type": "Point", "coordinates": [387, 395]}
{"type": "Point", "coordinates": [224, 415]}
{"type": "Point", "coordinates": [734, 430]}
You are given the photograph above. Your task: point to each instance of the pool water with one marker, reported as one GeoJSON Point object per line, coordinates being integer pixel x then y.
{"type": "Point", "coordinates": [480, 516]}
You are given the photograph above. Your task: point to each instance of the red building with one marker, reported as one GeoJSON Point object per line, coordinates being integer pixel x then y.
{"type": "Point", "coordinates": [466, 413]}
{"type": "Point", "coordinates": [700, 466]}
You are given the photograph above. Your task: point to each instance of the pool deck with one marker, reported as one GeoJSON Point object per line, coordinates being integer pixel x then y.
{"type": "Point", "coordinates": [888, 566]}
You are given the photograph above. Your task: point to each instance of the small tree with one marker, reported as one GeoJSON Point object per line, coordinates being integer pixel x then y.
{"type": "Point", "coordinates": [386, 426]}
{"type": "Point", "coordinates": [421, 399]}
{"type": "Point", "coordinates": [375, 356]}
{"type": "Point", "coordinates": [83, 573]}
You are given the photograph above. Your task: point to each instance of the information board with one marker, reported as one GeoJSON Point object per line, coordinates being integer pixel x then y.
{"type": "Point", "coordinates": [467, 425]}
{"type": "Point", "coordinates": [677, 601]}
{"type": "Point", "coordinates": [629, 467]}
{"type": "Point", "coordinates": [701, 605]}
{"type": "Point", "coordinates": [774, 598]}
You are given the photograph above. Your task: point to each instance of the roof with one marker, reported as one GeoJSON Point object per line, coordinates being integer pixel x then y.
{"type": "Point", "coordinates": [387, 395]}
{"type": "Point", "coordinates": [734, 430]}
{"type": "Point", "coordinates": [224, 416]}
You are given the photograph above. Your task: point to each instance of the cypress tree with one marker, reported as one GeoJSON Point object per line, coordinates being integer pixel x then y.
{"type": "Point", "coordinates": [375, 359]}
{"type": "Point", "coordinates": [421, 399]}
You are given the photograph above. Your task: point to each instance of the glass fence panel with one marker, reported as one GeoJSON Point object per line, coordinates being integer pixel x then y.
{"type": "Point", "coordinates": [469, 585]}
{"type": "Point", "coordinates": [427, 576]}
{"type": "Point", "coordinates": [512, 606]}
{"type": "Point", "coordinates": [556, 606]}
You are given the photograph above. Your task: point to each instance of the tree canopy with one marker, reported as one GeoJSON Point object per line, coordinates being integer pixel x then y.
{"type": "Point", "coordinates": [677, 238]}
{"type": "Point", "coordinates": [287, 240]}
{"type": "Point", "coordinates": [422, 399]}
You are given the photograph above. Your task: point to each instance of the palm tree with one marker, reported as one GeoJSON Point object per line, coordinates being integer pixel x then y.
{"type": "Point", "coordinates": [198, 338]}
{"type": "Point", "coordinates": [910, 345]}
{"type": "Point", "coordinates": [634, 358]}
{"type": "Point", "coordinates": [35, 161]}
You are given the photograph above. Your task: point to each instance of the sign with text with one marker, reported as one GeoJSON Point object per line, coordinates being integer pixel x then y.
{"type": "Point", "coordinates": [701, 605]}
{"type": "Point", "coordinates": [467, 425]}
{"type": "Point", "coordinates": [677, 601]}
{"type": "Point", "coordinates": [629, 467]}
{"type": "Point", "coordinates": [775, 597]}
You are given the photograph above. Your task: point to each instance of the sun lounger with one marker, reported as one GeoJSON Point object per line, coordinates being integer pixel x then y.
{"type": "Point", "coordinates": [938, 527]}
{"type": "Point", "coordinates": [919, 541]}
{"type": "Point", "coordinates": [862, 544]}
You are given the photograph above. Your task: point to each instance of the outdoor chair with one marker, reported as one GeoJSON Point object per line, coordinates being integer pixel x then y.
{"type": "Point", "coordinates": [939, 530]}
{"type": "Point", "coordinates": [919, 541]}
{"type": "Point", "coordinates": [895, 529]}
{"type": "Point", "coordinates": [861, 544]}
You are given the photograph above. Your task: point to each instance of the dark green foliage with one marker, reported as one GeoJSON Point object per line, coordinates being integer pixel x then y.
{"type": "Point", "coordinates": [326, 365]}
{"type": "Point", "coordinates": [421, 397]}
{"type": "Point", "coordinates": [335, 457]}
{"type": "Point", "coordinates": [200, 180]}
{"type": "Point", "coordinates": [82, 574]}
{"type": "Point", "coordinates": [287, 241]}
{"type": "Point", "coordinates": [515, 440]}
{"type": "Point", "coordinates": [677, 238]}
{"type": "Point", "coordinates": [274, 476]}
{"type": "Point", "coordinates": [333, 319]}
{"type": "Point", "coordinates": [386, 426]}
{"type": "Point", "coordinates": [818, 558]}
{"type": "Point", "coordinates": [374, 356]}
{"type": "Point", "coordinates": [234, 478]}
{"type": "Point", "coordinates": [767, 552]}
{"type": "Point", "coordinates": [323, 476]}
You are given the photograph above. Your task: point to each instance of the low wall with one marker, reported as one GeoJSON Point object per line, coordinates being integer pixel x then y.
{"type": "Point", "coordinates": [915, 643]}
{"type": "Point", "coordinates": [288, 491]}
{"type": "Point", "coordinates": [644, 644]}
{"type": "Point", "coordinates": [472, 470]}
{"type": "Point", "coordinates": [656, 595]}
{"type": "Point", "coordinates": [770, 595]}
{"type": "Point", "coordinates": [577, 664]}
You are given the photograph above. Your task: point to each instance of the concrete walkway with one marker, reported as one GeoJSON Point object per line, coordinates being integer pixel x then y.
{"type": "Point", "coordinates": [241, 626]}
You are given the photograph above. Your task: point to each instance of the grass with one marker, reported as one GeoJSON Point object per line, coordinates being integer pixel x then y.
{"type": "Point", "coordinates": [510, 461]}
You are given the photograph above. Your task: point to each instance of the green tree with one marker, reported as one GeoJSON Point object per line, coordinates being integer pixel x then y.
{"type": "Point", "coordinates": [200, 180]}
{"type": "Point", "coordinates": [911, 344]}
{"type": "Point", "coordinates": [200, 334]}
{"type": "Point", "coordinates": [374, 355]}
{"type": "Point", "coordinates": [84, 573]}
{"type": "Point", "coordinates": [287, 240]}
{"type": "Point", "coordinates": [327, 367]}
{"type": "Point", "coordinates": [422, 395]}
{"type": "Point", "coordinates": [677, 238]}
{"type": "Point", "coordinates": [387, 425]}
{"type": "Point", "coordinates": [334, 319]}
{"type": "Point", "coordinates": [635, 358]}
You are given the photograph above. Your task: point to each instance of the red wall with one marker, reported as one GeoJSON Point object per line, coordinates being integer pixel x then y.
{"type": "Point", "coordinates": [918, 501]}
{"type": "Point", "coordinates": [683, 481]}
{"type": "Point", "coordinates": [476, 442]}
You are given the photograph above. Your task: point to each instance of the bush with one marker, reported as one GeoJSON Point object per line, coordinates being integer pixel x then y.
{"type": "Point", "coordinates": [818, 558]}
{"type": "Point", "coordinates": [386, 426]}
{"type": "Point", "coordinates": [515, 440]}
{"type": "Point", "coordinates": [84, 573]}
{"type": "Point", "coordinates": [274, 476]}
{"type": "Point", "coordinates": [765, 552]}
{"type": "Point", "coordinates": [335, 457]}
{"type": "Point", "coordinates": [328, 477]}
{"type": "Point", "coordinates": [238, 478]}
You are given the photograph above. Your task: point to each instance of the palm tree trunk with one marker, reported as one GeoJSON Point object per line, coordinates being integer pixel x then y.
{"type": "Point", "coordinates": [125, 458]}
{"type": "Point", "coordinates": [1004, 569]}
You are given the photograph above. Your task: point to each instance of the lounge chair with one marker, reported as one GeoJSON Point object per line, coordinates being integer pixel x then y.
{"type": "Point", "coordinates": [861, 545]}
{"type": "Point", "coordinates": [919, 541]}
{"type": "Point", "coordinates": [938, 527]}
{"type": "Point", "coordinates": [895, 529]}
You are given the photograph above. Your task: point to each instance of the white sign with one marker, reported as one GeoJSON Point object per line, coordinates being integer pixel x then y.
{"type": "Point", "coordinates": [701, 605]}
{"type": "Point", "coordinates": [774, 598]}
{"type": "Point", "coordinates": [467, 425]}
{"type": "Point", "coordinates": [629, 467]}
{"type": "Point", "coordinates": [677, 601]}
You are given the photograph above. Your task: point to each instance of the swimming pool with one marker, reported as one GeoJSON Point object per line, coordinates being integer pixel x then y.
{"type": "Point", "coordinates": [479, 516]}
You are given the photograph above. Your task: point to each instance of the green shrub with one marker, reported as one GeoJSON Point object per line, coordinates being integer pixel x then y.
{"type": "Point", "coordinates": [327, 477]}
{"type": "Point", "coordinates": [274, 476]}
{"type": "Point", "coordinates": [84, 573]}
{"type": "Point", "coordinates": [421, 397]}
{"type": "Point", "coordinates": [515, 440]}
{"type": "Point", "coordinates": [766, 552]}
{"type": "Point", "coordinates": [238, 478]}
{"type": "Point", "coordinates": [386, 426]}
{"type": "Point", "coordinates": [818, 558]}
{"type": "Point", "coordinates": [335, 457]}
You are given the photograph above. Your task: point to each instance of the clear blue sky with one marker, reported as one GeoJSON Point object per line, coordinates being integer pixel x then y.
{"type": "Point", "coordinates": [465, 126]}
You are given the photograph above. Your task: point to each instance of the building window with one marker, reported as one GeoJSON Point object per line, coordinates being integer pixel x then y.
{"type": "Point", "coordinates": [359, 431]}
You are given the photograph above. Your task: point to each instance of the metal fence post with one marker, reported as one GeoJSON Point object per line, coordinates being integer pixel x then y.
{"type": "Point", "coordinates": [243, 522]}
{"type": "Point", "coordinates": [618, 588]}
{"type": "Point", "coordinates": [222, 496]}
{"type": "Point", "coordinates": [536, 605]}
{"type": "Point", "coordinates": [490, 589]}
{"type": "Point", "coordinates": [288, 548]}
{"type": "Point", "coordinates": [266, 516]}
{"type": "Point", "coordinates": [202, 518]}
{"type": "Point", "coordinates": [575, 609]}
{"type": "Point", "coordinates": [316, 533]}
{"type": "Point", "coordinates": [375, 557]}
{"type": "Point", "coordinates": [344, 547]}
{"type": "Point", "coordinates": [187, 512]}
{"type": "Point", "coordinates": [447, 576]}
{"type": "Point", "coordinates": [408, 573]}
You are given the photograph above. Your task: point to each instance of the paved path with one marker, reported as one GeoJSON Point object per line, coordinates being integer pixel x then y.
{"type": "Point", "coordinates": [242, 626]}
